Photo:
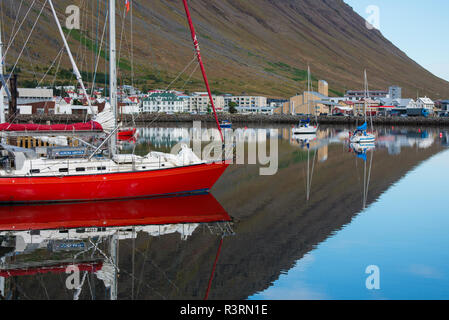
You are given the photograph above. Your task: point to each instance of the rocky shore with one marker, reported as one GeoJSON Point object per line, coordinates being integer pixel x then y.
{"type": "Point", "coordinates": [145, 119]}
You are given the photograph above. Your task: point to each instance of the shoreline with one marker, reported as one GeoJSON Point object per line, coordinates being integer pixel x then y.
{"type": "Point", "coordinates": [242, 119]}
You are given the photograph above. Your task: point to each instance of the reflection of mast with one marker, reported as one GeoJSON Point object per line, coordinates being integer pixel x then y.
{"type": "Point", "coordinates": [309, 172]}
{"type": "Point", "coordinates": [114, 259]}
{"type": "Point", "coordinates": [361, 151]}
{"type": "Point", "coordinates": [366, 180]}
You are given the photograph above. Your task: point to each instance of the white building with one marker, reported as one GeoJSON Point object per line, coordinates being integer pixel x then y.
{"type": "Point", "coordinates": [247, 101]}
{"type": "Point", "coordinates": [199, 102]}
{"type": "Point", "coordinates": [425, 103]}
{"type": "Point", "coordinates": [163, 102]}
{"type": "Point", "coordinates": [27, 95]}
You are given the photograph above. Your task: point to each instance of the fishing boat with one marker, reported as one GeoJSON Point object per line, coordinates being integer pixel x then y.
{"type": "Point", "coordinates": [360, 135]}
{"type": "Point", "coordinates": [305, 126]}
{"type": "Point", "coordinates": [92, 173]}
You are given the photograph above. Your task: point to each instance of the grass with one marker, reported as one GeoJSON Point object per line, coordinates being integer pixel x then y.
{"type": "Point", "coordinates": [82, 38]}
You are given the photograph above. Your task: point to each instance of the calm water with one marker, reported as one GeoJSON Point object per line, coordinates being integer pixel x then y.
{"type": "Point", "coordinates": [308, 232]}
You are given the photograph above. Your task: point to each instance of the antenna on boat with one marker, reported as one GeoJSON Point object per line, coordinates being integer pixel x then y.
{"type": "Point", "coordinates": [76, 71]}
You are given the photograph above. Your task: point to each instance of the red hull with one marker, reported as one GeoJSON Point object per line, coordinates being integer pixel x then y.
{"type": "Point", "coordinates": [201, 208]}
{"type": "Point", "coordinates": [127, 133]}
{"type": "Point", "coordinates": [110, 185]}
{"type": "Point", "coordinates": [88, 267]}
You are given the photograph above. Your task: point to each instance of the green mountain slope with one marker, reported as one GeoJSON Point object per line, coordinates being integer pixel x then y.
{"type": "Point", "coordinates": [252, 46]}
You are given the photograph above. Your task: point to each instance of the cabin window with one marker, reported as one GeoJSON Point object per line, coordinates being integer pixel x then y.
{"type": "Point", "coordinates": [35, 171]}
{"type": "Point", "coordinates": [101, 168]}
{"type": "Point", "coordinates": [80, 169]}
{"type": "Point", "coordinates": [63, 169]}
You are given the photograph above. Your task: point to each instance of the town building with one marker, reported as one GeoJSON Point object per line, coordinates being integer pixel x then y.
{"type": "Point", "coordinates": [163, 102]}
{"type": "Point", "coordinates": [256, 110]}
{"type": "Point", "coordinates": [426, 105]}
{"type": "Point", "coordinates": [395, 92]}
{"type": "Point", "coordinates": [247, 101]}
{"type": "Point", "coordinates": [199, 102]}
{"type": "Point", "coordinates": [310, 102]}
{"type": "Point", "coordinates": [354, 95]}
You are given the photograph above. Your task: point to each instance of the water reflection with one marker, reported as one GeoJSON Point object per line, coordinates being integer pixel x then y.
{"type": "Point", "coordinates": [285, 226]}
{"type": "Point", "coordinates": [72, 250]}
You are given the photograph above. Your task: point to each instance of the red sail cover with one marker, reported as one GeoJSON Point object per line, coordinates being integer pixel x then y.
{"type": "Point", "coordinates": [84, 126]}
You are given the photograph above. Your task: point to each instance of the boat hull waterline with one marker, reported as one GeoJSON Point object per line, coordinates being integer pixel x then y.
{"type": "Point", "coordinates": [109, 186]}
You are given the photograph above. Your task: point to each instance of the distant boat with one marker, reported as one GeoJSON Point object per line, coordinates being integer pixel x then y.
{"type": "Point", "coordinates": [305, 126]}
{"type": "Point", "coordinates": [360, 135]}
{"type": "Point", "coordinates": [226, 125]}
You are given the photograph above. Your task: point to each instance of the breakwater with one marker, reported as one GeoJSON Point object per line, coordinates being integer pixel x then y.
{"type": "Point", "coordinates": [145, 119]}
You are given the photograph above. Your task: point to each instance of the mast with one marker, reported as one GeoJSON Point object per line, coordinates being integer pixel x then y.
{"type": "Point", "coordinates": [113, 70]}
{"type": "Point", "coordinates": [308, 90]}
{"type": "Point", "coordinates": [2, 105]}
{"type": "Point", "coordinates": [200, 61]}
{"type": "Point", "coordinates": [76, 71]}
{"type": "Point", "coordinates": [366, 94]}
{"type": "Point", "coordinates": [113, 247]}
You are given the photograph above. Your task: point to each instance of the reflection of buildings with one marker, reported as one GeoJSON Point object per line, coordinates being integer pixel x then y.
{"type": "Point", "coordinates": [319, 142]}
{"type": "Point", "coordinates": [392, 140]}
{"type": "Point", "coordinates": [395, 140]}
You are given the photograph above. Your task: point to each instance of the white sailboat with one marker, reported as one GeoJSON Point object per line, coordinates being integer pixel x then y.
{"type": "Point", "coordinates": [360, 135]}
{"type": "Point", "coordinates": [305, 127]}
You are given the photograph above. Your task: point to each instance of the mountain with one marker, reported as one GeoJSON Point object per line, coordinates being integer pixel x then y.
{"type": "Point", "coordinates": [251, 46]}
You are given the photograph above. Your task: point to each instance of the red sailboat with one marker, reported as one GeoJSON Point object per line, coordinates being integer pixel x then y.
{"type": "Point", "coordinates": [75, 174]}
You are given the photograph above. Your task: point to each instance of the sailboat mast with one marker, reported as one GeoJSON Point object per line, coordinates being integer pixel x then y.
{"type": "Point", "coordinates": [366, 94]}
{"type": "Point", "coordinates": [2, 106]}
{"type": "Point", "coordinates": [308, 90]}
{"type": "Point", "coordinates": [72, 60]}
{"type": "Point", "coordinates": [113, 69]}
{"type": "Point", "coordinates": [200, 61]}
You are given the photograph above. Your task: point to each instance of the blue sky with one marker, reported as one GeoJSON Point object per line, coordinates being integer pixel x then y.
{"type": "Point", "coordinates": [419, 28]}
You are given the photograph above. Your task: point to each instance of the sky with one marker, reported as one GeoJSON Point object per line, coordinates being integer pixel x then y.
{"type": "Point", "coordinates": [419, 28]}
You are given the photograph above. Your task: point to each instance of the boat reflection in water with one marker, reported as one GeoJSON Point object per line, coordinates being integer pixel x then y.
{"type": "Point", "coordinates": [80, 242]}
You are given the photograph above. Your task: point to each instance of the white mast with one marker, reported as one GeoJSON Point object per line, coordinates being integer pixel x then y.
{"type": "Point", "coordinates": [366, 96]}
{"type": "Point", "coordinates": [69, 52]}
{"type": "Point", "coordinates": [308, 90]}
{"type": "Point", "coordinates": [2, 105]}
{"type": "Point", "coordinates": [112, 70]}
